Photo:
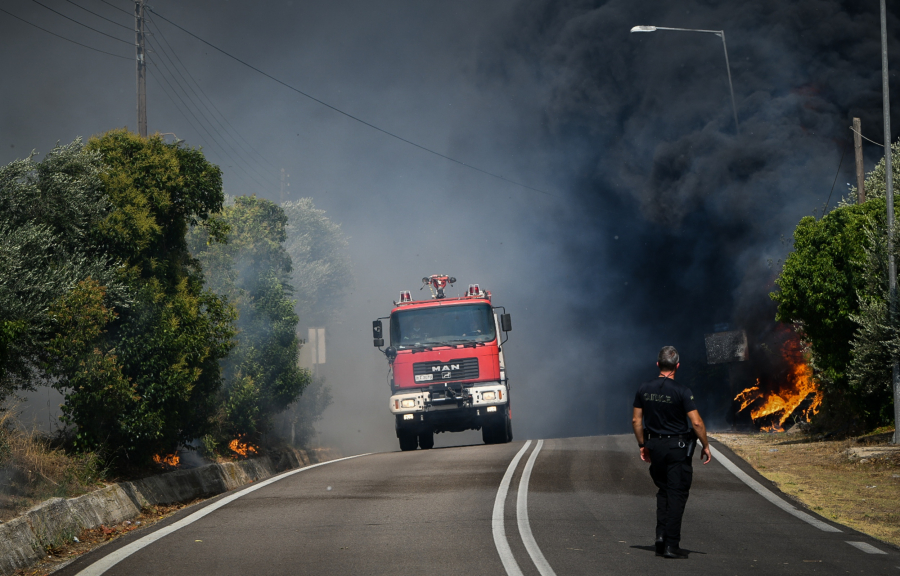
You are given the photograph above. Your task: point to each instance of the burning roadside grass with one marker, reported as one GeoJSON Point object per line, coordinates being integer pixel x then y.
{"type": "Point", "coordinates": [61, 554]}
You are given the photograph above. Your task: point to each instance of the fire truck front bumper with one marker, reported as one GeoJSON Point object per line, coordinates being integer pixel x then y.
{"type": "Point", "coordinates": [425, 410]}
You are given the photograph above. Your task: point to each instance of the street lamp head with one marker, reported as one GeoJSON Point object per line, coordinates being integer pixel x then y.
{"type": "Point", "coordinates": [644, 29]}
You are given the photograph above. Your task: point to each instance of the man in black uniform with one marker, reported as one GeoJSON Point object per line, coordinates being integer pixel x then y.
{"type": "Point", "coordinates": [663, 418]}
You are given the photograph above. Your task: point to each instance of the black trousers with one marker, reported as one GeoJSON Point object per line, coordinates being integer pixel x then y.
{"type": "Point", "coordinates": [672, 473]}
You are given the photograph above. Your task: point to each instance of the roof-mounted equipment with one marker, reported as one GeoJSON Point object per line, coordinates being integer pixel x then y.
{"type": "Point", "coordinates": [436, 283]}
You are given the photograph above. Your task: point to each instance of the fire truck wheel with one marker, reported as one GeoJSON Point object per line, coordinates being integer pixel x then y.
{"type": "Point", "coordinates": [408, 441]}
{"type": "Point", "coordinates": [426, 440]}
{"type": "Point", "coordinates": [492, 432]}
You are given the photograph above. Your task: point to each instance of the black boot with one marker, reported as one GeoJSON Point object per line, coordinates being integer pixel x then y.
{"type": "Point", "coordinates": [660, 545]}
{"type": "Point", "coordinates": [674, 552]}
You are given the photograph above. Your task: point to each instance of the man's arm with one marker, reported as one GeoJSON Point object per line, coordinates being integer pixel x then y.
{"type": "Point", "coordinates": [700, 429]}
{"type": "Point", "coordinates": [637, 423]}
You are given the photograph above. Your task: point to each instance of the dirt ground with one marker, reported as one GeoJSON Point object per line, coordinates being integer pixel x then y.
{"type": "Point", "coordinates": [855, 482]}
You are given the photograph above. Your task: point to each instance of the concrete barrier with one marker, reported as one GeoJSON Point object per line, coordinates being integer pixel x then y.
{"type": "Point", "coordinates": [24, 540]}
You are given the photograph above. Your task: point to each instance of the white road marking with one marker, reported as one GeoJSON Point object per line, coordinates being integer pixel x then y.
{"type": "Point", "coordinates": [522, 517]}
{"type": "Point", "coordinates": [769, 495]}
{"type": "Point", "coordinates": [866, 547]}
{"type": "Point", "coordinates": [113, 558]}
{"type": "Point", "coordinates": [500, 541]}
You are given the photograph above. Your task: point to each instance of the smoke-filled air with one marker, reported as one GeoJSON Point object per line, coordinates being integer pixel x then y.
{"type": "Point", "coordinates": [598, 182]}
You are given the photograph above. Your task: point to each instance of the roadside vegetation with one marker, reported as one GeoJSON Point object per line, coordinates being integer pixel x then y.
{"type": "Point", "coordinates": [833, 288]}
{"type": "Point", "coordinates": [166, 316]}
{"type": "Point", "coordinates": [33, 468]}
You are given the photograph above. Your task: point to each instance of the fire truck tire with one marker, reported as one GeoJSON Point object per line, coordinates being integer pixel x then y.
{"type": "Point", "coordinates": [487, 434]}
{"type": "Point", "coordinates": [426, 440]}
{"type": "Point", "coordinates": [408, 441]}
{"type": "Point", "coordinates": [498, 432]}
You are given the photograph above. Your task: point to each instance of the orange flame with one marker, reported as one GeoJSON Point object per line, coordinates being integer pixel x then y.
{"type": "Point", "coordinates": [167, 460]}
{"type": "Point", "coordinates": [782, 404]}
{"type": "Point", "coordinates": [242, 448]}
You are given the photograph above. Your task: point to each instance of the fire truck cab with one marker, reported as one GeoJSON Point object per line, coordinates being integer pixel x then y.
{"type": "Point", "coordinates": [447, 369]}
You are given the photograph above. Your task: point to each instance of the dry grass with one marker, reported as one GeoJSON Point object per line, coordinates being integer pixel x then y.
{"type": "Point", "coordinates": [32, 470]}
{"type": "Point", "coordinates": [864, 495]}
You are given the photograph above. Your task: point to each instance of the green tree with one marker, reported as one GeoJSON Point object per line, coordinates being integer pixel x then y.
{"type": "Point", "coordinates": [100, 292]}
{"type": "Point", "coordinates": [877, 339]}
{"type": "Point", "coordinates": [49, 211]}
{"type": "Point", "coordinates": [253, 270]}
{"type": "Point", "coordinates": [170, 341]}
{"type": "Point", "coordinates": [322, 271]}
{"type": "Point", "coordinates": [93, 377]}
{"type": "Point", "coordinates": [833, 289]}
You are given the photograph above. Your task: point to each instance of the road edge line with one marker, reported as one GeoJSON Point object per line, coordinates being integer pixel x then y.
{"type": "Point", "coordinates": [531, 545]}
{"type": "Point", "coordinates": [769, 495]}
{"type": "Point", "coordinates": [113, 558]}
{"type": "Point", "coordinates": [497, 527]}
{"type": "Point", "coordinates": [866, 547]}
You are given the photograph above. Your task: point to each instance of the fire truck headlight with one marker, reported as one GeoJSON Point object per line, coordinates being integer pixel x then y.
{"type": "Point", "coordinates": [491, 409]}
{"type": "Point", "coordinates": [407, 416]}
{"type": "Point", "coordinates": [408, 403]}
{"type": "Point", "coordinates": [489, 395]}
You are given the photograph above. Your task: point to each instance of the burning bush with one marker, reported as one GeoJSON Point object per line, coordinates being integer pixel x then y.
{"type": "Point", "coordinates": [792, 393]}
{"type": "Point", "coordinates": [833, 288]}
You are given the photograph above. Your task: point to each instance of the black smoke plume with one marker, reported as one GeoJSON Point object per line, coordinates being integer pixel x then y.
{"type": "Point", "coordinates": [678, 216]}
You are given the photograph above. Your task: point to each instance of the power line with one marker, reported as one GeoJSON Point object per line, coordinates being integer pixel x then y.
{"type": "Point", "coordinates": [82, 24]}
{"type": "Point", "coordinates": [63, 37]}
{"type": "Point", "coordinates": [117, 8]}
{"type": "Point", "coordinates": [250, 149]}
{"type": "Point", "coordinates": [864, 138]}
{"type": "Point", "coordinates": [843, 151]}
{"type": "Point", "coordinates": [194, 116]}
{"type": "Point", "coordinates": [224, 137]}
{"type": "Point", "coordinates": [211, 135]}
{"type": "Point", "coordinates": [347, 114]}
{"type": "Point", "coordinates": [101, 17]}
{"type": "Point", "coordinates": [180, 111]}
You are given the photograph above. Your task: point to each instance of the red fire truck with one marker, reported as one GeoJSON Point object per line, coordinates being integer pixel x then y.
{"type": "Point", "coordinates": [447, 371]}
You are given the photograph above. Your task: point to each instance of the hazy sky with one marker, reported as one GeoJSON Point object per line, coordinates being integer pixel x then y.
{"type": "Point", "coordinates": [657, 221]}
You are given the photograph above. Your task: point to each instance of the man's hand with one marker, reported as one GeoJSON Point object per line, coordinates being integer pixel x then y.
{"type": "Point", "coordinates": [645, 455]}
{"type": "Point", "coordinates": [700, 429]}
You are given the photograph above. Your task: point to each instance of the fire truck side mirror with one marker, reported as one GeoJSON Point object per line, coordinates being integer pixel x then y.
{"type": "Point", "coordinates": [505, 322]}
{"type": "Point", "coordinates": [376, 333]}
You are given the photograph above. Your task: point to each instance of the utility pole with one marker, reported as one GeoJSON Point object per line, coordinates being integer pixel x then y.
{"type": "Point", "coordinates": [889, 181]}
{"type": "Point", "coordinates": [860, 173]}
{"type": "Point", "coordinates": [141, 67]}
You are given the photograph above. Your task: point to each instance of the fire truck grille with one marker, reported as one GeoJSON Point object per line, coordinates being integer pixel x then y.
{"type": "Point", "coordinates": [459, 369]}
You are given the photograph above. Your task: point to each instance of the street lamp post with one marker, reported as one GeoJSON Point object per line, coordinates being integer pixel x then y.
{"type": "Point", "coordinates": [889, 197]}
{"type": "Point", "coordinates": [720, 34]}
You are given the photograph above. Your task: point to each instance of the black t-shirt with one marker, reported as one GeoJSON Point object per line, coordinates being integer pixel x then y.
{"type": "Point", "coordinates": [665, 404]}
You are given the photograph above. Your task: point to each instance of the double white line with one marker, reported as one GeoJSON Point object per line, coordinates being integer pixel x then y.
{"type": "Point", "coordinates": [497, 525]}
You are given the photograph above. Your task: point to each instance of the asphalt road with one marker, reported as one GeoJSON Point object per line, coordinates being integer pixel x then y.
{"type": "Point", "coordinates": [588, 509]}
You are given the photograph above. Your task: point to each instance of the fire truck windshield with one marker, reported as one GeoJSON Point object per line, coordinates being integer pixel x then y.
{"type": "Point", "coordinates": [442, 325]}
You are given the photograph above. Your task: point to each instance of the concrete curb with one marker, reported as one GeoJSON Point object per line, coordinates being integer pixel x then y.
{"type": "Point", "coordinates": [23, 540]}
